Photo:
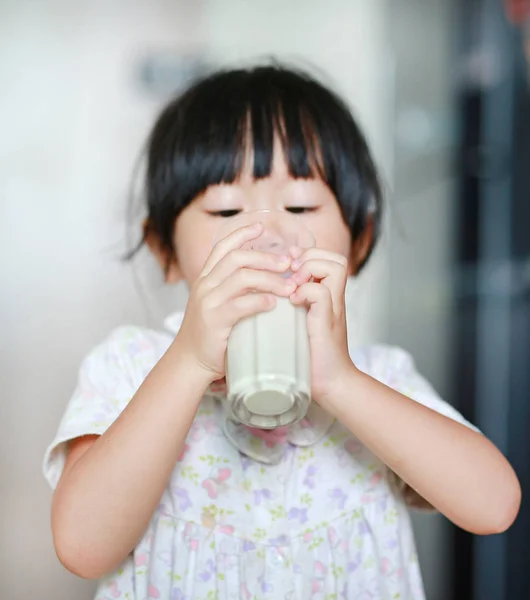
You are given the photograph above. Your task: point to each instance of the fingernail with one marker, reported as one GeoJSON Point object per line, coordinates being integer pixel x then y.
{"type": "Point", "coordinates": [295, 264]}
{"type": "Point", "coordinates": [284, 260]}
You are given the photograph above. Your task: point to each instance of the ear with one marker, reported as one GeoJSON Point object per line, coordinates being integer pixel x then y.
{"type": "Point", "coordinates": [165, 257]}
{"type": "Point", "coordinates": [360, 247]}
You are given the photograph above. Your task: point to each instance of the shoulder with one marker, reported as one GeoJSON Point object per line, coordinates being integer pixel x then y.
{"type": "Point", "coordinates": [383, 361]}
{"type": "Point", "coordinates": [129, 350]}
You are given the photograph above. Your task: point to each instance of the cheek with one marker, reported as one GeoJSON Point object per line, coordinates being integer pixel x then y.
{"type": "Point", "coordinates": [191, 256]}
{"type": "Point", "coordinates": [192, 249]}
{"type": "Point", "coordinates": [334, 236]}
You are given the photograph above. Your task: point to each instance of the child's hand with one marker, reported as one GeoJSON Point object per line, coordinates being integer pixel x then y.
{"type": "Point", "coordinates": [321, 279]}
{"type": "Point", "coordinates": [233, 285]}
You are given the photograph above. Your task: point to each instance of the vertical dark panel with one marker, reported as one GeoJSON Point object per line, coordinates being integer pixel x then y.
{"type": "Point", "coordinates": [492, 333]}
{"type": "Point", "coordinates": [518, 570]}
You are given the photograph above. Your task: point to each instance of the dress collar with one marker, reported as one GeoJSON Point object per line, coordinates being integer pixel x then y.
{"type": "Point", "coordinates": [264, 446]}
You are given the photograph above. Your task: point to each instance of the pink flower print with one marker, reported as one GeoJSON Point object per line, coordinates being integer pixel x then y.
{"type": "Point", "coordinates": [185, 451]}
{"type": "Point", "coordinates": [385, 565]}
{"type": "Point", "coordinates": [196, 433]}
{"type": "Point", "coordinates": [193, 543]}
{"type": "Point", "coordinates": [271, 437]}
{"type": "Point", "coordinates": [114, 591]}
{"type": "Point", "coordinates": [319, 568]}
{"type": "Point", "coordinates": [353, 446]}
{"type": "Point", "coordinates": [306, 423]}
{"type": "Point", "coordinates": [214, 483]}
{"type": "Point", "coordinates": [209, 426]}
{"type": "Point", "coordinates": [245, 594]}
{"type": "Point", "coordinates": [298, 513]}
{"type": "Point", "coordinates": [317, 586]}
{"type": "Point", "coordinates": [226, 529]}
{"type": "Point", "coordinates": [375, 479]}
{"type": "Point", "coordinates": [339, 496]}
{"type": "Point", "coordinates": [333, 536]}
{"type": "Point", "coordinates": [310, 473]}
{"type": "Point", "coordinates": [308, 536]}
{"type": "Point", "coordinates": [141, 560]}
{"type": "Point", "coordinates": [210, 570]}
{"type": "Point", "coordinates": [152, 592]}
{"type": "Point", "coordinates": [183, 498]}
{"type": "Point", "coordinates": [261, 494]}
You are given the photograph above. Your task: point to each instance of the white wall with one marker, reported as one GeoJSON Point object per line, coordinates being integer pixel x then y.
{"type": "Point", "coordinates": [72, 121]}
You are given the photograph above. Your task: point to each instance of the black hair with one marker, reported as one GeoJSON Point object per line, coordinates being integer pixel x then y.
{"type": "Point", "coordinates": [202, 137]}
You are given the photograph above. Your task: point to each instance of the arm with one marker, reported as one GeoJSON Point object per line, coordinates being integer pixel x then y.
{"type": "Point", "coordinates": [112, 484]}
{"type": "Point", "coordinates": [457, 470]}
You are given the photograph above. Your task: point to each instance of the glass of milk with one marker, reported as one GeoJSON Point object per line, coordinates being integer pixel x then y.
{"type": "Point", "coordinates": [267, 364]}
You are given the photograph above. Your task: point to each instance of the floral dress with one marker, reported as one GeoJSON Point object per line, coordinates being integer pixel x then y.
{"type": "Point", "coordinates": [310, 515]}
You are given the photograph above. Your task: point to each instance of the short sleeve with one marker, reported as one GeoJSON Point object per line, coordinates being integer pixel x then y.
{"type": "Point", "coordinates": [396, 368]}
{"type": "Point", "coordinates": [105, 385]}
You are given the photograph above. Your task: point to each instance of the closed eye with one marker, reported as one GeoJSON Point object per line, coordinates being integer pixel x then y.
{"type": "Point", "coordinates": [225, 214]}
{"type": "Point", "coordinates": [300, 210]}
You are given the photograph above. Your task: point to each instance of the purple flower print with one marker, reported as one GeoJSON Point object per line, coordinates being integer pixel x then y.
{"type": "Point", "coordinates": [246, 462]}
{"type": "Point", "coordinates": [281, 540]}
{"type": "Point", "coordinates": [177, 594]}
{"type": "Point", "coordinates": [310, 473]}
{"type": "Point", "coordinates": [184, 499]}
{"type": "Point", "coordinates": [206, 575]}
{"type": "Point", "coordinates": [382, 504]}
{"type": "Point", "coordinates": [298, 513]}
{"type": "Point", "coordinates": [297, 569]}
{"type": "Point", "coordinates": [266, 587]}
{"type": "Point", "coordinates": [354, 564]}
{"type": "Point", "coordinates": [363, 528]}
{"type": "Point", "coordinates": [261, 494]}
{"type": "Point", "coordinates": [248, 546]}
{"type": "Point", "coordinates": [339, 495]}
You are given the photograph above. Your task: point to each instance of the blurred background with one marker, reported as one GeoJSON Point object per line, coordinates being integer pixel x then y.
{"type": "Point", "coordinates": [442, 89]}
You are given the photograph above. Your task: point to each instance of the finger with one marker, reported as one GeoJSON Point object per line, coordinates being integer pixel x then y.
{"type": "Point", "coordinates": [249, 259]}
{"type": "Point", "coordinates": [318, 298]}
{"type": "Point", "coordinates": [247, 306]}
{"type": "Point", "coordinates": [249, 280]}
{"type": "Point", "coordinates": [234, 240]}
{"type": "Point", "coordinates": [320, 270]}
{"type": "Point", "coordinates": [319, 254]}
{"type": "Point", "coordinates": [330, 274]}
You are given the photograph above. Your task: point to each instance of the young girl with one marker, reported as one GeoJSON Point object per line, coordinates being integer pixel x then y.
{"type": "Point", "coordinates": [162, 496]}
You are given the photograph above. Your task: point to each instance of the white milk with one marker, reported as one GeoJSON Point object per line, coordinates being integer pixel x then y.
{"type": "Point", "coordinates": [268, 368]}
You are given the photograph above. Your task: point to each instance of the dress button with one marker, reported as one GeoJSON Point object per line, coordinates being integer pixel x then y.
{"type": "Point", "coordinates": [276, 558]}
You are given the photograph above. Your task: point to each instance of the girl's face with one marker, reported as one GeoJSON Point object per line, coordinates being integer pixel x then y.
{"type": "Point", "coordinates": [197, 226]}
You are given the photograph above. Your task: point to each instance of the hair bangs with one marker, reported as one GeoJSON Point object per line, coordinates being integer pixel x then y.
{"type": "Point", "coordinates": [232, 122]}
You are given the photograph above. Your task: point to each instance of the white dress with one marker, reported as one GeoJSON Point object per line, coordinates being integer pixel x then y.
{"type": "Point", "coordinates": [315, 517]}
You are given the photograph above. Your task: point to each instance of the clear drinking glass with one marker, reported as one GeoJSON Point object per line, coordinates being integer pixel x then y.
{"type": "Point", "coordinates": [267, 365]}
